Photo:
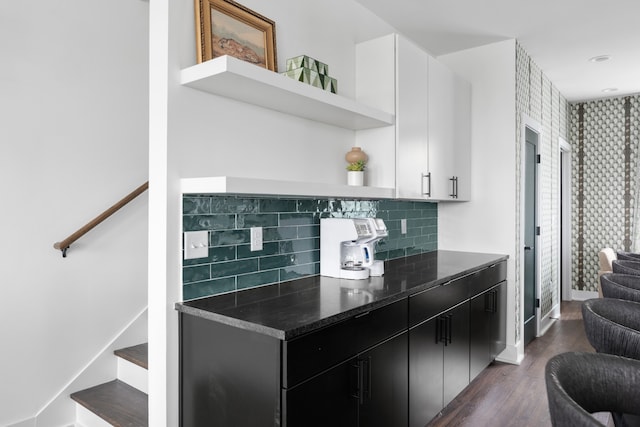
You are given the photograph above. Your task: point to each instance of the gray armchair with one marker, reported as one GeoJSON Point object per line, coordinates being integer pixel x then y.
{"type": "Point", "coordinates": [613, 326]}
{"type": "Point", "coordinates": [630, 256]}
{"type": "Point", "coordinates": [620, 286]}
{"type": "Point", "coordinates": [579, 384]}
{"type": "Point", "coordinates": [625, 266]}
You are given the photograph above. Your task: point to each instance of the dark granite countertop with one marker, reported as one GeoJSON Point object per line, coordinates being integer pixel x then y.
{"type": "Point", "coordinates": [290, 309]}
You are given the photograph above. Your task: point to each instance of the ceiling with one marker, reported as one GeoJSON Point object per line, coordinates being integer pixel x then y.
{"type": "Point", "coordinates": [559, 35]}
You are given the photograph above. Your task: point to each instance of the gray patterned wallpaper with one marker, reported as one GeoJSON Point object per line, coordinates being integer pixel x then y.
{"type": "Point", "coordinates": [604, 138]}
{"type": "Point", "coordinates": [541, 101]}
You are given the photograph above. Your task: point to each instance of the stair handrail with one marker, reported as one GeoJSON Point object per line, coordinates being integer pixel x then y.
{"type": "Point", "coordinates": [63, 245]}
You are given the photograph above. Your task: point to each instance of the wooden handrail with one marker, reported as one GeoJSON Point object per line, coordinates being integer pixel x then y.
{"type": "Point", "coordinates": [64, 244]}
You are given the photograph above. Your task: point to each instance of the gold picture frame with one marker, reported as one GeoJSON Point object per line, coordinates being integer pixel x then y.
{"type": "Point", "coordinates": [224, 27]}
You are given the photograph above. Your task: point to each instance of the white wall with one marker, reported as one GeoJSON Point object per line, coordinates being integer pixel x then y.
{"type": "Point", "coordinates": [199, 134]}
{"type": "Point", "coordinates": [488, 222]}
{"type": "Point", "coordinates": [73, 109]}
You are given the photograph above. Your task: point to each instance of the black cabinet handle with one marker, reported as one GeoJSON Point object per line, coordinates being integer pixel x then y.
{"type": "Point", "coordinates": [357, 394]}
{"type": "Point", "coordinates": [491, 301]}
{"type": "Point", "coordinates": [362, 379]}
{"type": "Point", "coordinates": [428, 192]}
{"type": "Point", "coordinates": [454, 187]}
{"type": "Point", "coordinates": [488, 302]}
{"type": "Point", "coordinates": [366, 383]}
{"type": "Point", "coordinates": [443, 329]}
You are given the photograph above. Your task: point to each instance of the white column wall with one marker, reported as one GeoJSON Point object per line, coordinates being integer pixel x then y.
{"type": "Point", "coordinates": [73, 126]}
{"type": "Point", "coordinates": [488, 222]}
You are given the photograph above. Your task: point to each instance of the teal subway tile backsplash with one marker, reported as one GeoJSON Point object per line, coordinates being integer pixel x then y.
{"type": "Point", "coordinates": [291, 237]}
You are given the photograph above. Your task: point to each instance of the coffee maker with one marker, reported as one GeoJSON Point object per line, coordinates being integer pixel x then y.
{"type": "Point", "coordinates": [347, 247]}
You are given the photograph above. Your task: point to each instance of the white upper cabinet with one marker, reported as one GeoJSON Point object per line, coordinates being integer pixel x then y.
{"type": "Point", "coordinates": [433, 112]}
{"type": "Point", "coordinates": [412, 102]}
{"type": "Point", "coordinates": [449, 133]}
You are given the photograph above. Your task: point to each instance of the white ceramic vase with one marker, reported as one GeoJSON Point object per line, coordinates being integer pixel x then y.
{"type": "Point", "coordinates": [355, 178]}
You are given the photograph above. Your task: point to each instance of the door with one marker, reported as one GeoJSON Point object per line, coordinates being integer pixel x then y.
{"type": "Point", "coordinates": [449, 133]}
{"type": "Point", "coordinates": [499, 320]}
{"type": "Point", "coordinates": [442, 126]}
{"type": "Point", "coordinates": [456, 352]}
{"type": "Point", "coordinates": [412, 179]}
{"type": "Point", "coordinates": [329, 399]}
{"type": "Point", "coordinates": [481, 311]}
{"type": "Point", "coordinates": [384, 384]}
{"type": "Point", "coordinates": [530, 234]}
{"type": "Point", "coordinates": [426, 376]}
{"type": "Point", "coordinates": [487, 328]}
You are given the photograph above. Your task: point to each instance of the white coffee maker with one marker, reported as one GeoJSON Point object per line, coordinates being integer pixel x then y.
{"type": "Point", "coordinates": [347, 247]}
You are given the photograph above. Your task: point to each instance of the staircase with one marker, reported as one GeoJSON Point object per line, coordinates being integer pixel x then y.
{"type": "Point", "coordinates": [122, 402]}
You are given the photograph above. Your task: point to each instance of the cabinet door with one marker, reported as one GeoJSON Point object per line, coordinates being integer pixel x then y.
{"type": "Point", "coordinates": [456, 352]}
{"type": "Point", "coordinates": [449, 133]}
{"type": "Point", "coordinates": [499, 320]}
{"type": "Point", "coordinates": [426, 377]}
{"type": "Point", "coordinates": [411, 120]}
{"type": "Point", "coordinates": [329, 399]}
{"type": "Point", "coordinates": [442, 122]}
{"type": "Point", "coordinates": [481, 344]}
{"type": "Point", "coordinates": [384, 379]}
{"type": "Point", "coordinates": [462, 139]}
{"type": "Point", "coordinates": [487, 328]}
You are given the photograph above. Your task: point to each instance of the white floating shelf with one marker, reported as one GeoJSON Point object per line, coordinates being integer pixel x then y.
{"type": "Point", "coordinates": [236, 79]}
{"type": "Point", "coordinates": [269, 187]}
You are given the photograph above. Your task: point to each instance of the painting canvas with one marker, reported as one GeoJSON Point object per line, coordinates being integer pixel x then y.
{"type": "Point", "coordinates": [228, 28]}
{"type": "Point", "coordinates": [235, 38]}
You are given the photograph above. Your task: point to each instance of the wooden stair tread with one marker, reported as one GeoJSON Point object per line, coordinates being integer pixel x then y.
{"type": "Point", "coordinates": [137, 354]}
{"type": "Point", "coordinates": [116, 402]}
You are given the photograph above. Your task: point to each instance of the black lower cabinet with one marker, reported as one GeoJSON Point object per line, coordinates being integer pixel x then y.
{"type": "Point", "coordinates": [487, 328]}
{"type": "Point", "coordinates": [456, 353]}
{"type": "Point", "coordinates": [499, 320]}
{"type": "Point", "coordinates": [426, 375]}
{"type": "Point", "coordinates": [325, 400]}
{"type": "Point", "coordinates": [438, 357]}
{"type": "Point", "coordinates": [384, 379]}
{"type": "Point", "coordinates": [228, 376]}
{"type": "Point", "coordinates": [368, 390]}
{"type": "Point", "coordinates": [396, 365]}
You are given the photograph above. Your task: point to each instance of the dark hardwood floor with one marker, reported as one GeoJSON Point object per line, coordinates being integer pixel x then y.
{"type": "Point", "coordinates": [510, 395]}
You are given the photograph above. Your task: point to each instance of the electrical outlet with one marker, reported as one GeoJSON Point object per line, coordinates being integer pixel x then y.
{"type": "Point", "coordinates": [403, 226]}
{"type": "Point", "coordinates": [256, 239]}
{"type": "Point", "coordinates": [196, 244]}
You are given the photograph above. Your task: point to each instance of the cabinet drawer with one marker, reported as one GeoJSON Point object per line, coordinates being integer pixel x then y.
{"type": "Point", "coordinates": [487, 278]}
{"type": "Point", "coordinates": [424, 305]}
{"type": "Point", "coordinates": [317, 351]}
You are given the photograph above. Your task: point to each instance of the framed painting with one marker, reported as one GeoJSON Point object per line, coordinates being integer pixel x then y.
{"type": "Point", "coordinates": [224, 27]}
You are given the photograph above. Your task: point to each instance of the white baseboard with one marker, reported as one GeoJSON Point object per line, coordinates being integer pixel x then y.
{"type": "Point", "coordinates": [583, 295]}
{"type": "Point", "coordinates": [510, 355]}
